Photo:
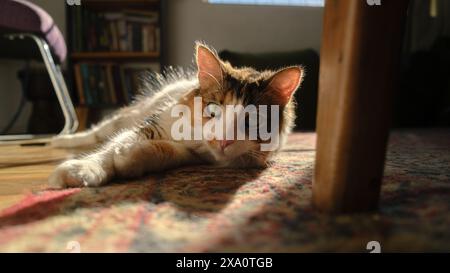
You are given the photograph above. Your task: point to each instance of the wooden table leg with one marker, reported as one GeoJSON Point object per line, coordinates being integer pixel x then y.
{"type": "Point", "coordinates": [359, 67]}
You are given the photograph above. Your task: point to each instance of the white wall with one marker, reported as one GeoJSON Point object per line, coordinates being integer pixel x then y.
{"type": "Point", "coordinates": [239, 27]}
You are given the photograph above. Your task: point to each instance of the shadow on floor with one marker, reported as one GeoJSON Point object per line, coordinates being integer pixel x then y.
{"type": "Point", "coordinates": [192, 189]}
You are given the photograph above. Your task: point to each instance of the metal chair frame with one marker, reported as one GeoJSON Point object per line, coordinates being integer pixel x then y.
{"type": "Point", "coordinates": [59, 84]}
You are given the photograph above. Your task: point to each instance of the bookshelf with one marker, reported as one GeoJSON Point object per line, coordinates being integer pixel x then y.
{"type": "Point", "coordinates": [110, 44]}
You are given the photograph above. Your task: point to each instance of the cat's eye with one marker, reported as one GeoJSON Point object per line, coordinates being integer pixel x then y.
{"type": "Point", "coordinates": [213, 110]}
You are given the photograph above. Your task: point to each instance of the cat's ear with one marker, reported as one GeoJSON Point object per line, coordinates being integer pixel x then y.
{"type": "Point", "coordinates": [210, 71]}
{"type": "Point", "coordinates": [283, 84]}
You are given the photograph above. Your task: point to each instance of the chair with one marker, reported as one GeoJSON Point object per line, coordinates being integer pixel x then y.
{"type": "Point", "coordinates": [28, 32]}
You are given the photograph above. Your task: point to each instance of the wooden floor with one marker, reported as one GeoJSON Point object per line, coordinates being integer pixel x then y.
{"type": "Point", "coordinates": [26, 168]}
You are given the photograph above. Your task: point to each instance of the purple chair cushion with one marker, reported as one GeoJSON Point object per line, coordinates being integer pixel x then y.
{"type": "Point", "coordinates": [23, 16]}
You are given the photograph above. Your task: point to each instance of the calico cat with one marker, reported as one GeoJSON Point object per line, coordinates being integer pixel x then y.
{"type": "Point", "coordinates": [139, 139]}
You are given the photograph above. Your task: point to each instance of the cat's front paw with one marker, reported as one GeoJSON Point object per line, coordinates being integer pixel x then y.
{"type": "Point", "coordinates": [78, 173]}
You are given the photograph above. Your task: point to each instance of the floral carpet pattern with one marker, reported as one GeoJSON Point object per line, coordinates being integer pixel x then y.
{"type": "Point", "coordinates": [202, 209]}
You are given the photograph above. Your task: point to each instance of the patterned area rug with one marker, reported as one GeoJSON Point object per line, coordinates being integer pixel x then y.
{"type": "Point", "coordinates": [206, 209]}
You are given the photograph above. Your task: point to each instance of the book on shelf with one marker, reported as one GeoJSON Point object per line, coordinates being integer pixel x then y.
{"type": "Point", "coordinates": [126, 30]}
{"type": "Point", "coordinates": [110, 84]}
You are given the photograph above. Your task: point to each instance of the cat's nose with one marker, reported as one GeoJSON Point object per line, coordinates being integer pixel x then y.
{"type": "Point", "coordinates": [225, 143]}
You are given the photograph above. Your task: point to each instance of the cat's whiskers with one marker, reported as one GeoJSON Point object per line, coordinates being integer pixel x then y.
{"type": "Point", "coordinates": [256, 154]}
